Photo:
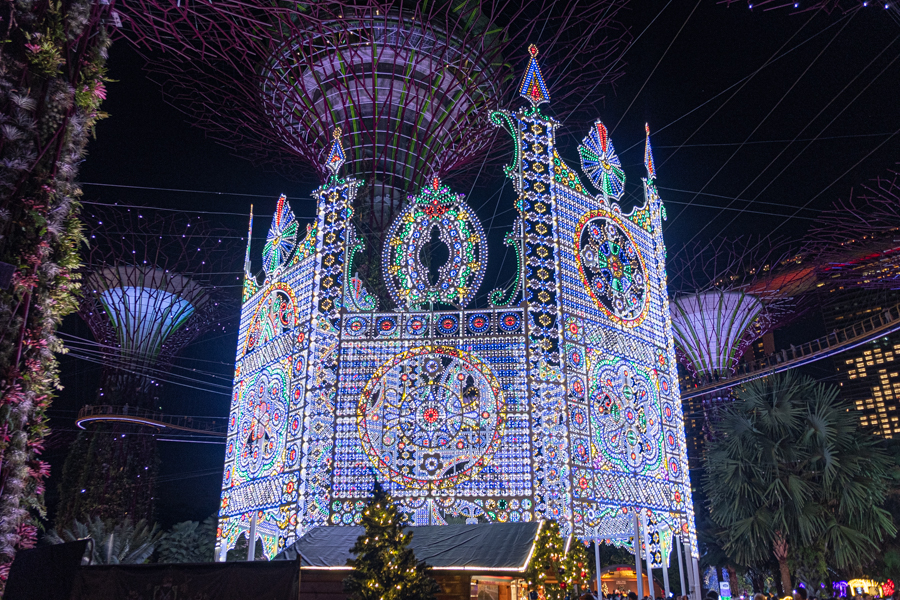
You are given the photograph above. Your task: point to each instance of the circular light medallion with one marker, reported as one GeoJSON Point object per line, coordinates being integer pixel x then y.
{"type": "Point", "coordinates": [611, 268]}
{"type": "Point", "coordinates": [263, 420]}
{"type": "Point", "coordinates": [436, 210]}
{"type": "Point", "coordinates": [626, 416]}
{"type": "Point", "coordinates": [431, 417]}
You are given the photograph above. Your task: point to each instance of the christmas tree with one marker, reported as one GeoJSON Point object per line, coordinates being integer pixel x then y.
{"type": "Point", "coordinates": [385, 568]}
{"type": "Point", "coordinates": [553, 573]}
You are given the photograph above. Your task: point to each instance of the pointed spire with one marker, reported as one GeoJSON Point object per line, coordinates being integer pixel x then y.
{"type": "Point", "coordinates": [648, 156]}
{"type": "Point", "coordinates": [249, 237]}
{"type": "Point", "coordinates": [336, 157]}
{"type": "Point", "coordinates": [533, 87]}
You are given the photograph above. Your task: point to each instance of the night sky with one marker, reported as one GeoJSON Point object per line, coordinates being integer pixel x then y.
{"type": "Point", "coordinates": [741, 148]}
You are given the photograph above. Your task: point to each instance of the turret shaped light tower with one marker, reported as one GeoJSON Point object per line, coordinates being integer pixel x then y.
{"type": "Point", "coordinates": [411, 84]}
{"type": "Point", "coordinates": [151, 286]}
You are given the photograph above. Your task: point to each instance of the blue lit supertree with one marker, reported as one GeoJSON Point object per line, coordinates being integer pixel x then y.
{"type": "Point", "coordinates": [152, 284]}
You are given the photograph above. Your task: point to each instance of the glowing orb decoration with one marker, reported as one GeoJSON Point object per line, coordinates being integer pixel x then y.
{"type": "Point", "coordinates": [626, 416]}
{"type": "Point", "coordinates": [262, 423]}
{"type": "Point", "coordinates": [435, 211]}
{"type": "Point", "coordinates": [611, 268]}
{"type": "Point", "coordinates": [431, 417]}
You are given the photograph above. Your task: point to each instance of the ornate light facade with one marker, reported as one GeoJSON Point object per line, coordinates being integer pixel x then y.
{"type": "Point", "coordinates": [557, 401]}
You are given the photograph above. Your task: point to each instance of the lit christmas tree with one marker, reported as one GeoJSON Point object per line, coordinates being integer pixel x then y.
{"type": "Point", "coordinates": [552, 573]}
{"type": "Point", "coordinates": [385, 568]}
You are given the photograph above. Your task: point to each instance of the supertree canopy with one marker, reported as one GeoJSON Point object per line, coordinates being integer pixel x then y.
{"type": "Point", "coordinates": [729, 293]}
{"type": "Point", "coordinates": [409, 83]}
{"type": "Point", "coordinates": [856, 242]}
{"type": "Point", "coordinates": [153, 283]}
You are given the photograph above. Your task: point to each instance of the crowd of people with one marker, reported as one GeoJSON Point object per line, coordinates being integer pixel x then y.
{"type": "Point", "coordinates": [799, 594]}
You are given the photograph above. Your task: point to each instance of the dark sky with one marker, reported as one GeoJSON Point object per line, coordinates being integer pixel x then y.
{"type": "Point", "coordinates": [717, 129]}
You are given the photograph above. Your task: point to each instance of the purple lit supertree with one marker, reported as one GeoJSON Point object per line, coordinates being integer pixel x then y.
{"type": "Point", "coordinates": [726, 294]}
{"type": "Point", "coordinates": [857, 242]}
{"type": "Point", "coordinates": [152, 283]}
{"type": "Point", "coordinates": [411, 85]}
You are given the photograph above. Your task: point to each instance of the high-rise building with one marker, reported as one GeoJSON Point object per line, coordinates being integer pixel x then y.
{"type": "Point", "coordinates": [869, 375]}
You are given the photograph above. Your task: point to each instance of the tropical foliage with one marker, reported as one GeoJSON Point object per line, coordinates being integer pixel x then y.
{"type": "Point", "coordinates": [791, 476]}
{"type": "Point", "coordinates": [189, 542]}
{"type": "Point", "coordinates": [115, 542]}
{"type": "Point", "coordinates": [385, 568]}
{"type": "Point", "coordinates": [51, 85]}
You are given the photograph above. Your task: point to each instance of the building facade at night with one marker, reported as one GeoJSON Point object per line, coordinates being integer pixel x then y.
{"type": "Point", "coordinates": [559, 400]}
{"type": "Point", "coordinates": [869, 375]}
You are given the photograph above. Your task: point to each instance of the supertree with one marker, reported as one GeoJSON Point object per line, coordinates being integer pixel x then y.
{"type": "Point", "coordinates": [152, 284]}
{"type": "Point", "coordinates": [411, 84]}
{"type": "Point", "coordinates": [726, 294]}
{"type": "Point", "coordinates": [856, 242]}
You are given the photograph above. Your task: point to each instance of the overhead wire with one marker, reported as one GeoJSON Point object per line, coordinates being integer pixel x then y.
{"type": "Point", "coordinates": [824, 128]}
{"type": "Point", "coordinates": [809, 143]}
{"type": "Point", "coordinates": [838, 178]}
{"type": "Point", "coordinates": [740, 82]}
{"type": "Point", "coordinates": [624, 52]}
{"type": "Point", "coordinates": [183, 191]}
{"type": "Point", "coordinates": [765, 118]}
{"type": "Point", "coordinates": [106, 356]}
{"type": "Point", "coordinates": [753, 142]}
{"type": "Point", "coordinates": [656, 66]}
{"type": "Point", "coordinates": [106, 363]}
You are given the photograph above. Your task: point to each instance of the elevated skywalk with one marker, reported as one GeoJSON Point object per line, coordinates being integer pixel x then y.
{"type": "Point", "coordinates": [888, 321]}
{"type": "Point", "coordinates": [105, 413]}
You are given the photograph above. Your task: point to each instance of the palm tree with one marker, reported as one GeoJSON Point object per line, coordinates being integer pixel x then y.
{"type": "Point", "coordinates": [115, 542]}
{"type": "Point", "coordinates": [790, 469]}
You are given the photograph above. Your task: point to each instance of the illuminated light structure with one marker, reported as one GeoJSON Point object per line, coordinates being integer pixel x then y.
{"type": "Point", "coordinates": [410, 84]}
{"type": "Point", "coordinates": [151, 285]}
{"type": "Point", "coordinates": [558, 400]}
{"type": "Point", "coordinates": [855, 243]}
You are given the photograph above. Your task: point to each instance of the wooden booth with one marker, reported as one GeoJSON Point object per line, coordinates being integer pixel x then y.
{"type": "Point", "coordinates": [623, 579]}
{"type": "Point", "coordinates": [469, 562]}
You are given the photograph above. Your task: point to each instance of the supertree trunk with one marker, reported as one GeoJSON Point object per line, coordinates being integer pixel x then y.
{"type": "Point", "coordinates": [51, 85]}
{"type": "Point", "coordinates": [121, 482]}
